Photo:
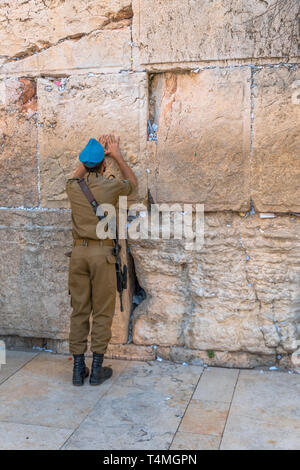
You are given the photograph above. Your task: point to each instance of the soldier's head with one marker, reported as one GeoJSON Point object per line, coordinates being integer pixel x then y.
{"type": "Point", "coordinates": [99, 168]}
{"type": "Point", "coordinates": [93, 157]}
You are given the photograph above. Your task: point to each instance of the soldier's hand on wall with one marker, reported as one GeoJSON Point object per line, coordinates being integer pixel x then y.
{"type": "Point", "coordinates": [113, 149]}
{"type": "Point", "coordinates": [102, 140]}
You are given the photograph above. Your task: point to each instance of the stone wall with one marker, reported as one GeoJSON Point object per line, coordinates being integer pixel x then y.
{"type": "Point", "coordinates": [221, 81]}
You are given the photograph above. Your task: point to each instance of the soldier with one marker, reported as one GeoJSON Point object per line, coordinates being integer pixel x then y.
{"type": "Point", "coordinates": [92, 272]}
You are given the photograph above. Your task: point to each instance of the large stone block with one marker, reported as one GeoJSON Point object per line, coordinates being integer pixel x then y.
{"type": "Point", "coordinates": [236, 294]}
{"type": "Point", "coordinates": [87, 54]}
{"type": "Point", "coordinates": [275, 180]}
{"type": "Point", "coordinates": [88, 107]}
{"type": "Point", "coordinates": [173, 32]}
{"type": "Point", "coordinates": [38, 36]}
{"type": "Point", "coordinates": [203, 138]}
{"type": "Point", "coordinates": [18, 143]}
{"type": "Point", "coordinates": [34, 273]}
{"type": "Point", "coordinates": [34, 300]}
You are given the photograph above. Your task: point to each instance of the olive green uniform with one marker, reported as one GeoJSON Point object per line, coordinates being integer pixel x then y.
{"type": "Point", "coordinates": [92, 272]}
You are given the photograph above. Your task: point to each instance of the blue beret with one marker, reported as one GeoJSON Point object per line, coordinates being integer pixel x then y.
{"type": "Point", "coordinates": [92, 154]}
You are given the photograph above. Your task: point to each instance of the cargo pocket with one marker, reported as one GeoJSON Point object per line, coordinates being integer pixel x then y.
{"type": "Point", "coordinates": [111, 259]}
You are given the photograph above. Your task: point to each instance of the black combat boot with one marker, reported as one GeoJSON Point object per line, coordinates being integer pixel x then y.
{"type": "Point", "coordinates": [99, 374]}
{"type": "Point", "coordinates": [80, 371]}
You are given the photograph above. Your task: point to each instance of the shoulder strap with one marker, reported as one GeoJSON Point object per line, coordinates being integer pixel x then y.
{"type": "Point", "coordinates": [89, 195]}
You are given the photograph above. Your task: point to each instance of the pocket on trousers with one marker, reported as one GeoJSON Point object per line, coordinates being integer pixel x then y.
{"type": "Point", "coordinates": [111, 259]}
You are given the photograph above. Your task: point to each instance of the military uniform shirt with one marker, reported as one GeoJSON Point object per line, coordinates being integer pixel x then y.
{"type": "Point", "coordinates": [84, 220]}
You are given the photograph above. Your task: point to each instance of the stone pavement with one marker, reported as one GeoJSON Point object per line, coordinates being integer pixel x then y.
{"type": "Point", "coordinates": [146, 405]}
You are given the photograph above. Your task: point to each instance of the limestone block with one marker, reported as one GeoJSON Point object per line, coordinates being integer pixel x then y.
{"type": "Point", "coordinates": [203, 138]}
{"type": "Point", "coordinates": [236, 294]}
{"type": "Point", "coordinates": [34, 271]}
{"type": "Point", "coordinates": [47, 35]}
{"type": "Point", "coordinates": [18, 143]}
{"type": "Point", "coordinates": [86, 107]}
{"type": "Point", "coordinates": [87, 54]}
{"type": "Point", "coordinates": [167, 32]}
{"type": "Point", "coordinates": [275, 181]}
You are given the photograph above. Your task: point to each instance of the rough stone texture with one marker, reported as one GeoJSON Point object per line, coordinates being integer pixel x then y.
{"type": "Point", "coordinates": [34, 295]}
{"type": "Point", "coordinates": [234, 295]}
{"type": "Point", "coordinates": [197, 162]}
{"type": "Point", "coordinates": [264, 414]}
{"type": "Point", "coordinates": [191, 31]}
{"type": "Point", "coordinates": [43, 35]}
{"type": "Point", "coordinates": [87, 54]}
{"type": "Point", "coordinates": [88, 107]}
{"type": "Point", "coordinates": [275, 182]}
{"type": "Point", "coordinates": [18, 143]}
{"type": "Point", "coordinates": [146, 403]}
{"type": "Point", "coordinates": [34, 299]}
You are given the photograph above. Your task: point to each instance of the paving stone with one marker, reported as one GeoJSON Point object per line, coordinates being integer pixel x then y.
{"type": "Point", "coordinates": [15, 436]}
{"type": "Point", "coordinates": [14, 361]}
{"type": "Point", "coordinates": [42, 393]}
{"type": "Point", "coordinates": [251, 433]}
{"type": "Point", "coordinates": [142, 410]}
{"type": "Point", "coordinates": [216, 384]}
{"type": "Point", "coordinates": [205, 417]}
{"type": "Point", "coordinates": [270, 396]}
{"type": "Point", "coordinates": [191, 441]}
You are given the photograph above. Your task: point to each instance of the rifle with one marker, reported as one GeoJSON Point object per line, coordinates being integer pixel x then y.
{"type": "Point", "coordinates": [121, 273]}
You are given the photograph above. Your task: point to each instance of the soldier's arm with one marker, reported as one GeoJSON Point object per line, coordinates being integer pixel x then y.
{"type": "Point", "coordinates": [113, 151]}
{"type": "Point", "coordinates": [80, 172]}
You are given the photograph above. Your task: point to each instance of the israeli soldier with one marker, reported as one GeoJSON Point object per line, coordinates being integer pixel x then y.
{"type": "Point", "coordinates": [92, 269]}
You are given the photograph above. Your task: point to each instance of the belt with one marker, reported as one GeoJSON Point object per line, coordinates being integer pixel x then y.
{"type": "Point", "coordinates": [85, 242]}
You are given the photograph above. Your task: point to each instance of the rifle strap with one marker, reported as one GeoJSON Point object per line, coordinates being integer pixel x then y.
{"type": "Point", "coordinates": [89, 195]}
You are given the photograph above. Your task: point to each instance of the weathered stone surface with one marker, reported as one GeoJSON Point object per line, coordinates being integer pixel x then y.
{"type": "Point", "coordinates": [33, 31]}
{"type": "Point", "coordinates": [263, 414]}
{"type": "Point", "coordinates": [86, 54]}
{"type": "Point", "coordinates": [88, 107]}
{"type": "Point", "coordinates": [191, 441]}
{"type": "Point", "coordinates": [16, 436]}
{"type": "Point", "coordinates": [216, 384]}
{"type": "Point", "coordinates": [155, 396]}
{"type": "Point", "coordinates": [18, 143]}
{"type": "Point", "coordinates": [34, 299]}
{"type": "Point", "coordinates": [42, 393]}
{"type": "Point", "coordinates": [203, 138]}
{"type": "Point", "coordinates": [189, 31]}
{"type": "Point", "coordinates": [275, 181]}
{"type": "Point", "coordinates": [205, 417]}
{"type": "Point", "coordinates": [14, 361]}
{"type": "Point", "coordinates": [130, 352]}
{"type": "Point", "coordinates": [34, 295]}
{"type": "Point", "coordinates": [234, 359]}
{"type": "Point", "coordinates": [234, 295]}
